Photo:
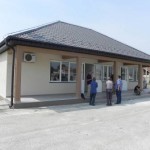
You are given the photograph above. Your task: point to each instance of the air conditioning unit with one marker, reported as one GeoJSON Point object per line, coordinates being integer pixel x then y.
{"type": "Point", "coordinates": [29, 57]}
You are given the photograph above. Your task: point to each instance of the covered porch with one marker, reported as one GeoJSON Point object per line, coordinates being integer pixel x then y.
{"type": "Point", "coordinates": [66, 99]}
{"type": "Point", "coordinates": [29, 78]}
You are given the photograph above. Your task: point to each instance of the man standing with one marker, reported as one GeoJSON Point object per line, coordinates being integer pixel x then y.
{"type": "Point", "coordinates": [118, 89]}
{"type": "Point", "coordinates": [93, 91]}
{"type": "Point", "coordinates": [109, 86]}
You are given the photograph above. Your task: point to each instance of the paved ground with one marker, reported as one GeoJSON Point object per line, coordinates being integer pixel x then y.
{"type": "Point", "coordinates": [77, 127]}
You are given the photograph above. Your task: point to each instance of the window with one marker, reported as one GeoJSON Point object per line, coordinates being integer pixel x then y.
{"type": "Point", "coordinates": [124, 71]}
{"type": "Point", "coordinates": [55, 71]}
{"type": "Point", "coordinates": [62, 71]}
{"type": "Point", "coordinates": [107, 72]}
{"type": "Point", "coordinates": [73, 72]}
{"type": "Point", "coordinates": [136, 74]}
{"type": "Point", "coordinates": [133, 74]}
{"type": "Point", "coordinates": [98, 71]}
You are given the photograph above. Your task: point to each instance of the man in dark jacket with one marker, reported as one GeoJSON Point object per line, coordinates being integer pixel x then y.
{"type": "Point", "coordinates": [93, 91]}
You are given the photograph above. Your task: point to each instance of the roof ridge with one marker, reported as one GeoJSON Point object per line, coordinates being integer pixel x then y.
{"type": "Point", "coordinates": [76, 25]}
{"type": "Point", "coordinates": [33, 29]}
{"type": "Point", "coordinates": [104, 36]}
{"type": "Point", "coordinates": [111, 45]}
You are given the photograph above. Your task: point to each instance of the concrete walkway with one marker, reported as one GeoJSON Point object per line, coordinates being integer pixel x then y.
{"type": "Point", "coordinates": [77, 127]}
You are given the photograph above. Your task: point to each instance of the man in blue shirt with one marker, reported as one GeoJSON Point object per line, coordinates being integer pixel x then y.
{"type": "Point", "coordinates": [93, 91]}
{"type": "Point", "coordinates": [118, 89]}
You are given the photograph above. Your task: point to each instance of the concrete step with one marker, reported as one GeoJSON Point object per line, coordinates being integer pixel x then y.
{"type": "Point", "coordinates": [99, 99]}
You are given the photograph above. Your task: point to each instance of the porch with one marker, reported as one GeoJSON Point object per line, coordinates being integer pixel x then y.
{"type": "Point", "coordinates": [66, 99]}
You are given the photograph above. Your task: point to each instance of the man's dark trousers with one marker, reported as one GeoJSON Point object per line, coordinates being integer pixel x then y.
{"type": "Point", "coordinates": [109, 96]}
{"type": "Point", "coordinates": [92, 98]}
{"type": "Point", "coordinates": [118, 94]}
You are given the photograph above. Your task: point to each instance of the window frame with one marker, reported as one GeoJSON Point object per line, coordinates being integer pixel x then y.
{"type": "Point", "coordinates": [107, 73]}
{"type": "Point", "coordinates": [135, 74]}
{"type": "Point", "coordinates": [60, 70]}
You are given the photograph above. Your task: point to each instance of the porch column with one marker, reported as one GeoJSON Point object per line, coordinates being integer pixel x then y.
{"type": "Point", "coordinates": [140, 76]}
{"type": "Point", "coordinates": [116, 70]}
{"type": "Point", "coordinates": [17, 83]}
{"type": "Point", "coordinates": [78, 79]}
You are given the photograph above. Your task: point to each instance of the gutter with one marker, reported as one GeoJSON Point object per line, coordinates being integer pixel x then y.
{"type": "Point", "coordinates": [58, 46]}
{"type": "Point", "coordinates": [12, 73]}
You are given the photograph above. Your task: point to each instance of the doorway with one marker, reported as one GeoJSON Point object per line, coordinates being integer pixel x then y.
{"type": "Point", "coordinates": [86, 68]}
{"type": "Point", "coordinates": [124, 76]}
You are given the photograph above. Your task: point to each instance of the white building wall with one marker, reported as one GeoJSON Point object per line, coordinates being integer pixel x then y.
{"type": "Point", "coordinates": [35, 77]}
{"type": "Point", "coordinates": [131, 85]}
{"type": "Point", "coordinates": [9, 73]}
{"type": "Point", "coordinates": [3, 74]}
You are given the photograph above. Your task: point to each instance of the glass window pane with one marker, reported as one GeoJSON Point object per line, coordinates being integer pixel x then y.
{"type": "Point", "coordinates": [72, 71]}
{"type": "Point", "coordinates": [109, 71]}
{"type": "Point", "coordinates": [131, 74]}
{"type": "Point", "coordinates": [55, 71]}
{"type": "Point", "coordinates": [105, 73]}
{"type": "Point", "coordinates": [64, 71]}
{"type": "Point", "coordinates": [135, 74]}
{"type": "Point", "coordinates": [123, 73]}
{"type": "Point", "coordinates": [98, 72]}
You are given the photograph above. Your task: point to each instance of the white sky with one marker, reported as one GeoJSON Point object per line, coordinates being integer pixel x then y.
{"type": "Point", "coordinates": [124, 20]}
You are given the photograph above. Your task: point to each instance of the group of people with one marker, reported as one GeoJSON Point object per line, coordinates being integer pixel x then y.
{"type": "Point", "coordinates": [92, 89]}
{"type": "Point", "coordinates": [118, 89]}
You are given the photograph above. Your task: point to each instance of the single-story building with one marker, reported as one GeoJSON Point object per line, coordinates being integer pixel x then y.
{"type": "Point", "coordinates": [55, 59]}
{"type": "Point", "coordinates": [146, 74]}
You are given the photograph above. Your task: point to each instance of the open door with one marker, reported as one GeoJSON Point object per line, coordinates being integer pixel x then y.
{"type": "Point", "coordinates": [86, 68]}
{"type": "Point", "coordinates": [98, 76]}
{"type": "Point", "coordinates": [96, 70]}
{"type": "Point", "coordinates": [124, 76]}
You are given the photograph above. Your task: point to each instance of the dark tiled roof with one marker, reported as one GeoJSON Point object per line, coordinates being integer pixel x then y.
{"type": "Point", "coordinates": [62, 33]}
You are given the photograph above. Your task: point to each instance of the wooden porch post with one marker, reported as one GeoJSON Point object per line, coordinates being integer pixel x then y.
{"type": "Point", "coordinates": [17, 88]}
{"type": "Point", "coordinates": [78, 80]}
{"type": "Point", "coordinates": [140, 76]}
{"type": "Point", "coordinates": [115, 70]}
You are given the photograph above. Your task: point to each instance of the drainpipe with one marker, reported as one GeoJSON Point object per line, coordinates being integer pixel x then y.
{"type": "Point", "coordinates": [12, 73]}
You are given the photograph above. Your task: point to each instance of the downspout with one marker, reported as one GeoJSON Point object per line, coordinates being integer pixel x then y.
{"type": "Point", "coordinates": [12, 73]}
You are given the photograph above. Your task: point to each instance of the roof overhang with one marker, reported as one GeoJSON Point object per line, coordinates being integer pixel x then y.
{"type": "Point", "coordinates": [13, 41]}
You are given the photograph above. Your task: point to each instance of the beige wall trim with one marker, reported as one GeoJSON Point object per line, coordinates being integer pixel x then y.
{"type": "Point", "coordinates": [72, 54]}
{"type": "Point", "coordinates": [78, 84]}
{"type": "Point", "coordinates": [116, 70]}
{"type": "Point", "coordinates": [17, 83]}
{"type": "Point", "coordinates": [140, 76]}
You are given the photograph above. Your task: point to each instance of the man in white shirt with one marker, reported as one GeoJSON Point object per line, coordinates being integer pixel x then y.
{"type": "Point", "coordinates": [109, 86]}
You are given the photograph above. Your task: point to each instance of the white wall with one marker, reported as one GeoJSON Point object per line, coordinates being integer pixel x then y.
{"type": "Point", "coordinates": [9, 73]}
{"type": "Point", "coordinates": [131, 85]}
{"type": "Point", "coordinates": [147, 78]}
{"type": "Point", "coordinates": [3, 73]}
{"type": "Point", "coordinates": [36, 76]}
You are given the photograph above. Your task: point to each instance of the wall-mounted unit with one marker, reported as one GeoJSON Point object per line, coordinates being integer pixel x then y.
{"type": "Point", "coordinates": [29, 57]}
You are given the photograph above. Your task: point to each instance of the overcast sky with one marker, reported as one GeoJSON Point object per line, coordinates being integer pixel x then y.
{"type": "Point", "coordinates": [127, 21]}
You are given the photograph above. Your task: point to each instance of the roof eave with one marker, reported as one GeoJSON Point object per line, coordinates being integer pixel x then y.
{"type": "Point", "coordinates": [25, 42]}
